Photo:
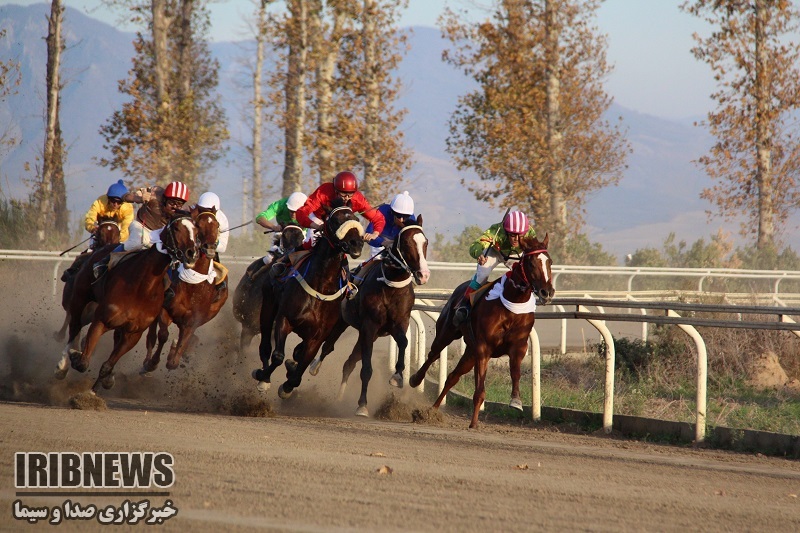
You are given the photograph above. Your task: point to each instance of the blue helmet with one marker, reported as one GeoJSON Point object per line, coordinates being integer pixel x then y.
{"type": "Point", "coordinates": [117, 190]}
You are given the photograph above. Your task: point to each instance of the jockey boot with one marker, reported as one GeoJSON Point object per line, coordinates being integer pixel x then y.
{"type": "Point", "coordinates": [462, 311]}
{"type": "Point", "coordinates": [279, 267]}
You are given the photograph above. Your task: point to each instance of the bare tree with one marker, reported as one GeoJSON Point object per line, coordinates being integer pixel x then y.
{"type": "Point", "coordinates": [52, 191]}
{"type": "Point", "coordinates": [295, 89]}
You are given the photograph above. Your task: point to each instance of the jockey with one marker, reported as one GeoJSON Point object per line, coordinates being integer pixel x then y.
{"type": "Point", "coordinates": [400, 210]}
{"type": "Point", "coordinates": [344, 186]}
{"type": "Point", "coordinates": [109, 206]}
{"type": "Point", "coordinates": [493, 247]}
{"type": "Point", "coordinates": [158, 207]}
{"type": "Point", "coordinates": [283, 212]}
{"type": "Point", "coordinates": [209, 201]}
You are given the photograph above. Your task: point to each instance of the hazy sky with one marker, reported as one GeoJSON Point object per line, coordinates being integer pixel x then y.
{"type": "Point", "coordinates": [649, 43]}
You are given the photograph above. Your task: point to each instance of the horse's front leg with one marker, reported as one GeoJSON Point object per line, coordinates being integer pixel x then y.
{"type": "Point", "coordinates": [328, 345]}
{"type": "Point", "coordinates": [366, 340]}
{"type": "Point", "coordinates": [185, 334]}
{"type": "Point", "coordinates": [122, 345]}
{"type": "Point", "coordinates": [348, 367]}
{"type": "Point", "coordinates": [158, 330]}
{"type": "Point", "coordinates": [400, 337]}
{"type": "Point", "coordinates": [266, 322]}
{"type": "Point", "coordinates": [80, 360]}
{"type": "Point", "coordinates": [480, 386]}
{"type": "Point", "coordinates": [301, 360]}
{"type": "Point", "coordinates": [515, 368]}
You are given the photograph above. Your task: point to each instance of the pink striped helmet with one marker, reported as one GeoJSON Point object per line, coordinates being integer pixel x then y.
{"type": "Point", "coordinates": [516, 222]}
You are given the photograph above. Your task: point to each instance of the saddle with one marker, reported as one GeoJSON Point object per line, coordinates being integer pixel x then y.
{"type": "Point", "coordinates": [478, 294]}
{"type": "Point", "coordinates": [360, 273]}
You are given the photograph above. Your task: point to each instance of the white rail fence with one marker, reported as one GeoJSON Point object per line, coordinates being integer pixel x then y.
{"type": "Point", "coordinates": [637, 304]}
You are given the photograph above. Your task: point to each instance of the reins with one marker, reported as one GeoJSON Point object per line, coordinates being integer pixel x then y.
{"type": "Point", "coordinates": [398, 260]}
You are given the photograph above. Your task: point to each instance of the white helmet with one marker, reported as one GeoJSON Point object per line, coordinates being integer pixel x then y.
{"type": "Point", "coordinates": [209, 200]}
{"type": "Point", "coordinates": [403, 204]}
{"type": "Point", "coordinates": [296, 201]}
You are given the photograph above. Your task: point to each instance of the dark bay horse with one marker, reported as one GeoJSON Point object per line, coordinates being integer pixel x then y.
{"type": "Point", "coordinates": [249, 292]}
{"type": "Point", "coordinates": [492, 329]}
{"type": "Point", "coordinates": [129, 297]}
{"type": "Point", "coordinates": [382, 307]}
{"type": "Point", "coordinates": [107, 232]}
{"type": "Point", "coordinates": [193, 304]}
{"type": "Point", "coordinates": [308, 302]}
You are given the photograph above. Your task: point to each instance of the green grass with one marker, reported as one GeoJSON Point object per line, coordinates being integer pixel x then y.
{"type": "Point", "coordinates": [578, 385]}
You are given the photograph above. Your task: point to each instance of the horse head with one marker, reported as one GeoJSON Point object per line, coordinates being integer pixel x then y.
{"type": "Point", "coordinates": [179, 239]}
{"type": "Point", "coordinates": [205, 220]}
{"type": "Point", "coordinates": [536, 268]}
{"type": "Point", "coordinates": [343, 230]}
{"type": "Point", "coordinates": [410, 250]}
{"type": "Point", "coordinates": [107, 232]}
{"type": "Point", "coordinates": [291, 237]}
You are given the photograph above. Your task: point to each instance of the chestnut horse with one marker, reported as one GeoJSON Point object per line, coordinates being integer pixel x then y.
{"type": "Point", "coordinates": [248, 294]}
{"type": "Point", "coordinates": [492, 329]}
{"type": "Point", "coordinates": [193, 304]}
{"type": "Point", "coordinates": [129, 297]}
{"type": "Point", "coordinates": [308, 304]}
{"type": "Point", "coordinates": [382, 307]}
{"type": "Point", "coordinates": [107, 232]}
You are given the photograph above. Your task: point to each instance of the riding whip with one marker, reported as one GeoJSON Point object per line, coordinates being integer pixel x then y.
{"type": "Point", "coordinates": [486, 251]}
{"type": "Point", "coordinates": [236, 227]}
{"type": "Point", "coordinates": [70, 249]}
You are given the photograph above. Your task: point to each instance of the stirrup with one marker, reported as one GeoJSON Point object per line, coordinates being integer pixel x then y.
{"type": "Point", "coordinates": [460, 315]}
{"type": "Point", "coordinates": [352, 291]}
{"type": "Point", "coordinates": [98, 269]}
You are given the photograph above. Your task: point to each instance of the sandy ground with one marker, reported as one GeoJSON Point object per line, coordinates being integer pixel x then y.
{"type": "Point", "coordinates": [309, 465]}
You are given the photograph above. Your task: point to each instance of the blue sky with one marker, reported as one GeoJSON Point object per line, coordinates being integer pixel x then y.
{"type": "Point", "coordinates": [649, 45]}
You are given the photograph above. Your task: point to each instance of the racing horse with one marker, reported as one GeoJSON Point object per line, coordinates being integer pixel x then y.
{"type": "Point", "coordinates": [499, 324]}
{"type": "Point", "coordinates": [248, 294]}
{"type": "Point", "coordinates": [308, 302]}
{"type": "Point", "coordinates": [107, 232]}
{"type": "Point", "coordinates": [194, 303]}
{"type": "Point", "coordinates": [129, 297]}
{"type": "Point", "coordinates": [382, 307]}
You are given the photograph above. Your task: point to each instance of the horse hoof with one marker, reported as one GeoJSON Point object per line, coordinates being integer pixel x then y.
{"type": "Point", "coordinates": [61, 373]}
{"type": "Point", "coordinates": [58, 336]}
{"type": "Point", "coordinates": [263, 386]}
{"type": "Point", "coordinates": [342, 388]}
{"type": "Point", "coordinates": [516, 403]}
{"type": "Point", "coordinates": [75, 359]}
{"type": "Point", "coordinates": [414, 381]}
{"type": "Point", "coordinates": [362, 411]}
{"type": "Point", "coordinates": [397, 380]}
{"type": "Point", "coordinates": [283, 394]}
{"type": "Point", "coordinates": [108, 382]}
{"type": "Point", "coordinates": [313, 368]}
{"type": "Point", "coordinates": [145, 372]}
{"type": "Point", "coordinates": [260, 375]}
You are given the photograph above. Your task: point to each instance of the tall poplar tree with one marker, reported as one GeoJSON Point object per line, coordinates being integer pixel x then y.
{"type": "Point", "coordinates": [173, 127]}
{"type": "Point", "coordinates": [534, 130]}
{"type": "Point", "coordinates": [755, 160]}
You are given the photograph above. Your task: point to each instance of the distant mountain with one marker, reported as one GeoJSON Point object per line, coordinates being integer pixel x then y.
{"type": "Point", "coordinates": [659, 192]}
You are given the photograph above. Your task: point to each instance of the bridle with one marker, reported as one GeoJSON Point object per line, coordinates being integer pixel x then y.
{"type": "Point", "coordinates": [527, 285]}
{"type": "Point", "coordinates": [208, 248]}
{"type": "Point", "coordinates": [395, 256]}
{"type": "Point", "coordinates": [168, 240]}
{"type": "Point", "coordinates": [330, 234]}
{"type": "Point", "coordinates": [113, 223]}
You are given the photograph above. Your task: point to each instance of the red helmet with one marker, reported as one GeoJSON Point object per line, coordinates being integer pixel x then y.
{"type": "Point", "coordinates": [345, 182]}
{"type": "Point", "coordinates": [176, 189]}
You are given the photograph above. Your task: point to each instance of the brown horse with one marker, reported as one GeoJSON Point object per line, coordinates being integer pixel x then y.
{"type": "Point", "coordinates": [382, 307]}
{"type": "Point", "coordinates": [107, 232]}
{"type": "Point", "coordinates": [308, 302]}
{"type": "Point", "coordinates": [129, 297]}
{"type": "Point", "coordinates": [248, 294]}
{"type": "Point", "coordinates": [193, 304]}
{"type": "Point", "coordinates": [492, 329]}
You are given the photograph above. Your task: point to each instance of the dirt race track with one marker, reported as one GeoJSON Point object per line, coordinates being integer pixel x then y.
{"type": "Point", "coordinates": [311, 466]}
